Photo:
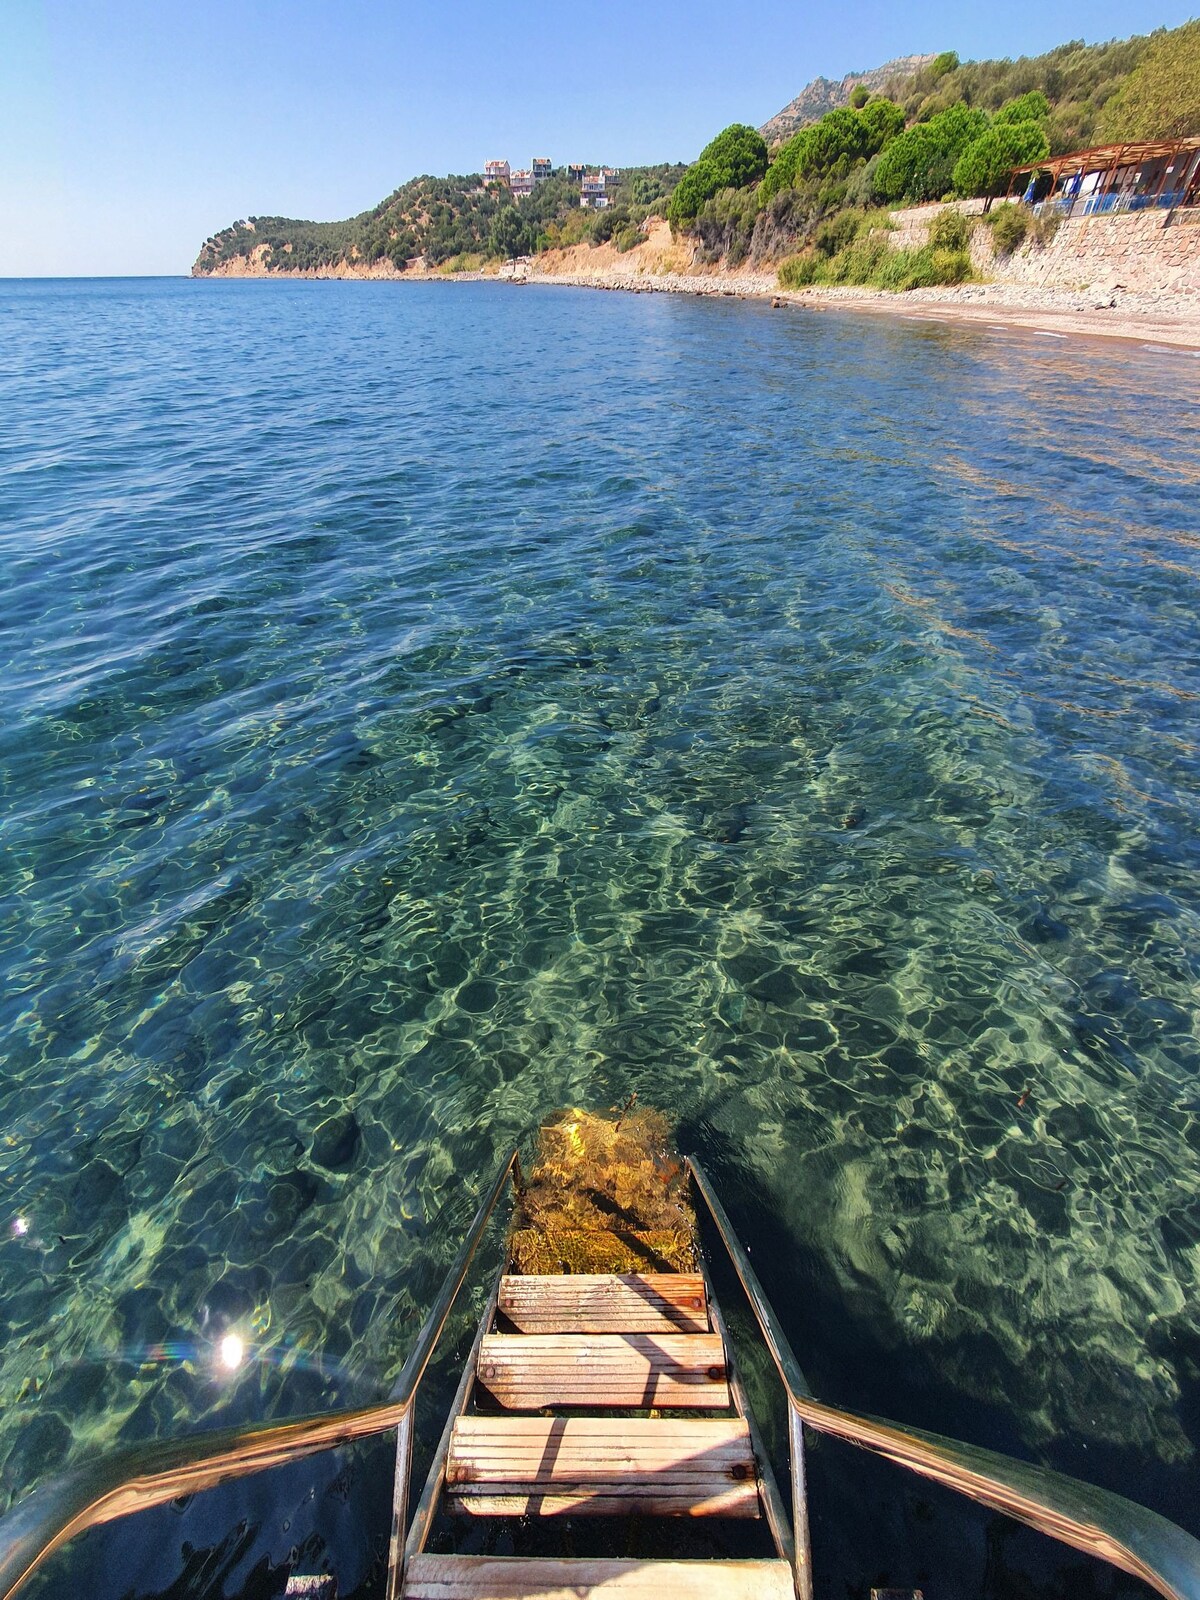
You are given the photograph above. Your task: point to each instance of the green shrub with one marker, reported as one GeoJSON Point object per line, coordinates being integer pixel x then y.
{"type": "Point", "coordinates": [860, 262]}
{"type": "Point", "coordinates": [1161, 97]}
{"type": "Point", "coordinates": [509, 235]}
{"type": "Point", "coordinates": [860, 189]}
{"type": "Point", "coordinates": [735, 158]}
{"type": "Point", "coordinates": [923, 269]}
{"type": "Point", "coordinates": [740, 153]}
{"type": "Point", "coordinates": [919, 164]}
{"type": "Point", "coordinates": [867, 260]}
{"type": "Point", "coordinates": [881, 121]}
{"type": "Point", "coordinates": [949, 230]}
{"type": "Point", "coordinates": [831, 197]}
{"type": "Point", "coordinates": [1009, 224]}
{"type": "Point", "coordinates": [934, 104]}
{"type": "Point", "coordinates": [833, 145]}
{"type": "Point", "coordinates": [985, 166]}
{"type": "Point", "coordinates": [698, 184]}
{"type": "Point", "coordinates": [628, 238]}
{"type": "Point", "coordinates": [904, 269]}
{"type": "Point", "coordinates": [836, 232]}
{"type": "Point", "coordinates": [949, 266]}
{"type": "Point", "coordinates": [1031, 107]}
{"type": "Point", "coordinates": [797, 272]}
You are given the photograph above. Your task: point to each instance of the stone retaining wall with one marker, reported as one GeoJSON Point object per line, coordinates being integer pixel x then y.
{"type": "Point", "coordinates": [1145, 252]}
{"type": "Point", "coordinates": [1148, 252]}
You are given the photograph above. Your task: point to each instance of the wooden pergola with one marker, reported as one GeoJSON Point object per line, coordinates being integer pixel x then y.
{"type": "Point", "coordinates": [1108, 159]}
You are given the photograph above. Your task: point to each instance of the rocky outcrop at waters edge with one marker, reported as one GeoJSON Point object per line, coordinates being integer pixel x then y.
{"type": "Point", "coordinates": [254, 265]}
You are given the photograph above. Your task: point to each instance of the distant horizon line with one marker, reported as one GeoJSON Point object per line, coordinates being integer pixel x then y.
{"type": "Point", "coordinates": [81, 277]}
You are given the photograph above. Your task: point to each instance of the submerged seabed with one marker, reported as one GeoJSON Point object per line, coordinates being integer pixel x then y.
{"type": "Point", "coordinates": [426, 707]}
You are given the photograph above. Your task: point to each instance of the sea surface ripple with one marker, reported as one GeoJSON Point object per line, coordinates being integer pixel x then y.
{"type": "Point", "coordinates": [428, 705]}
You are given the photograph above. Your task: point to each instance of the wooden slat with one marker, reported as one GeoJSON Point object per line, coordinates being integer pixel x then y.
{"type": "Point", "coordinates": [602, 1466]}
{"type": "Point", "coordinates": [736, 1501]}
{"type": "Point", "coordinates": [527, 1371]}
{"type": "Point", "coordinates": [650, 1302]}
{"type": "Point", "coordinates": [513, 1578]}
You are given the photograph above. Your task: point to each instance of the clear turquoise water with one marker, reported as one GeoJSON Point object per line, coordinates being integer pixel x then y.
{"type": "Point", "coordinates": [429, 704]}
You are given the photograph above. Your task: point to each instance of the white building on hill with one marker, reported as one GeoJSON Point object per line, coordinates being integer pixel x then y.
{"type": "Point", "coordinates": [591, 193]}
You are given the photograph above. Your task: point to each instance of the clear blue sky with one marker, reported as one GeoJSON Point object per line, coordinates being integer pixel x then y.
{"type": "Point", "coordinates": [131, 129]}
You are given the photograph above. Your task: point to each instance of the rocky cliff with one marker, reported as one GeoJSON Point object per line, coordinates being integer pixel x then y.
{"type": "Point", "coordinates": [826, 94]}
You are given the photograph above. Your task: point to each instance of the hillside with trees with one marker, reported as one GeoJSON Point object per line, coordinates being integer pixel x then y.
{"type": "Point", "coordinates": [447, 221]}
{"type": "Point", "coordinates": [948, 130]}
{"type": "Point", "coordinates": [1161, 99]}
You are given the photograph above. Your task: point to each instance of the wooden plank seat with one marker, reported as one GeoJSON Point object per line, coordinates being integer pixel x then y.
{"type": "Point", "coordinates": [649, 1302]}
{"type": "Point", "coordinates": [525, 1372]}
{"type": "Point", "coordinates": [514, 1578]}
{"type": "Point", "coordinates": [601, 1466]}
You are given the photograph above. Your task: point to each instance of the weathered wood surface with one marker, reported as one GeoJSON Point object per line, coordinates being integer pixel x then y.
{"type": "Point", "coordinates": [651, 1302]}
{"type": "Point", "coordinates": [512, 1578]}
{"type": "Point", "coordinates": [602, 1466]}
{"type": "Point", "coordinates": [524, 1372]}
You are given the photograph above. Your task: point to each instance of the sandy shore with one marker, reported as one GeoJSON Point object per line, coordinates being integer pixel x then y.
{"type": "Point", "coordinates": [1114, 321]}
{"type": "Point", "coordinates": [1146, 319]}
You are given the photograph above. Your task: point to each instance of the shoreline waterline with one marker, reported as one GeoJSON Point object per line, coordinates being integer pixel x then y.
{"type": "Point", "coordinates": [925, 305]}
{"type": "Point", "coordinates": [1013, 306]}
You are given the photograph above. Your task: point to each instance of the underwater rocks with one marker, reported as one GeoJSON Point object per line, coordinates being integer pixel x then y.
{"type": "Point", "coordinates": [605, 1194]}
{"type": "Point", "coordinates": [336, 1141]}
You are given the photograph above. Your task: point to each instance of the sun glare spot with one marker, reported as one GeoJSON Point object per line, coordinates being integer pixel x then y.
{"type": "Point", "coordinates": [231, 1352]}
